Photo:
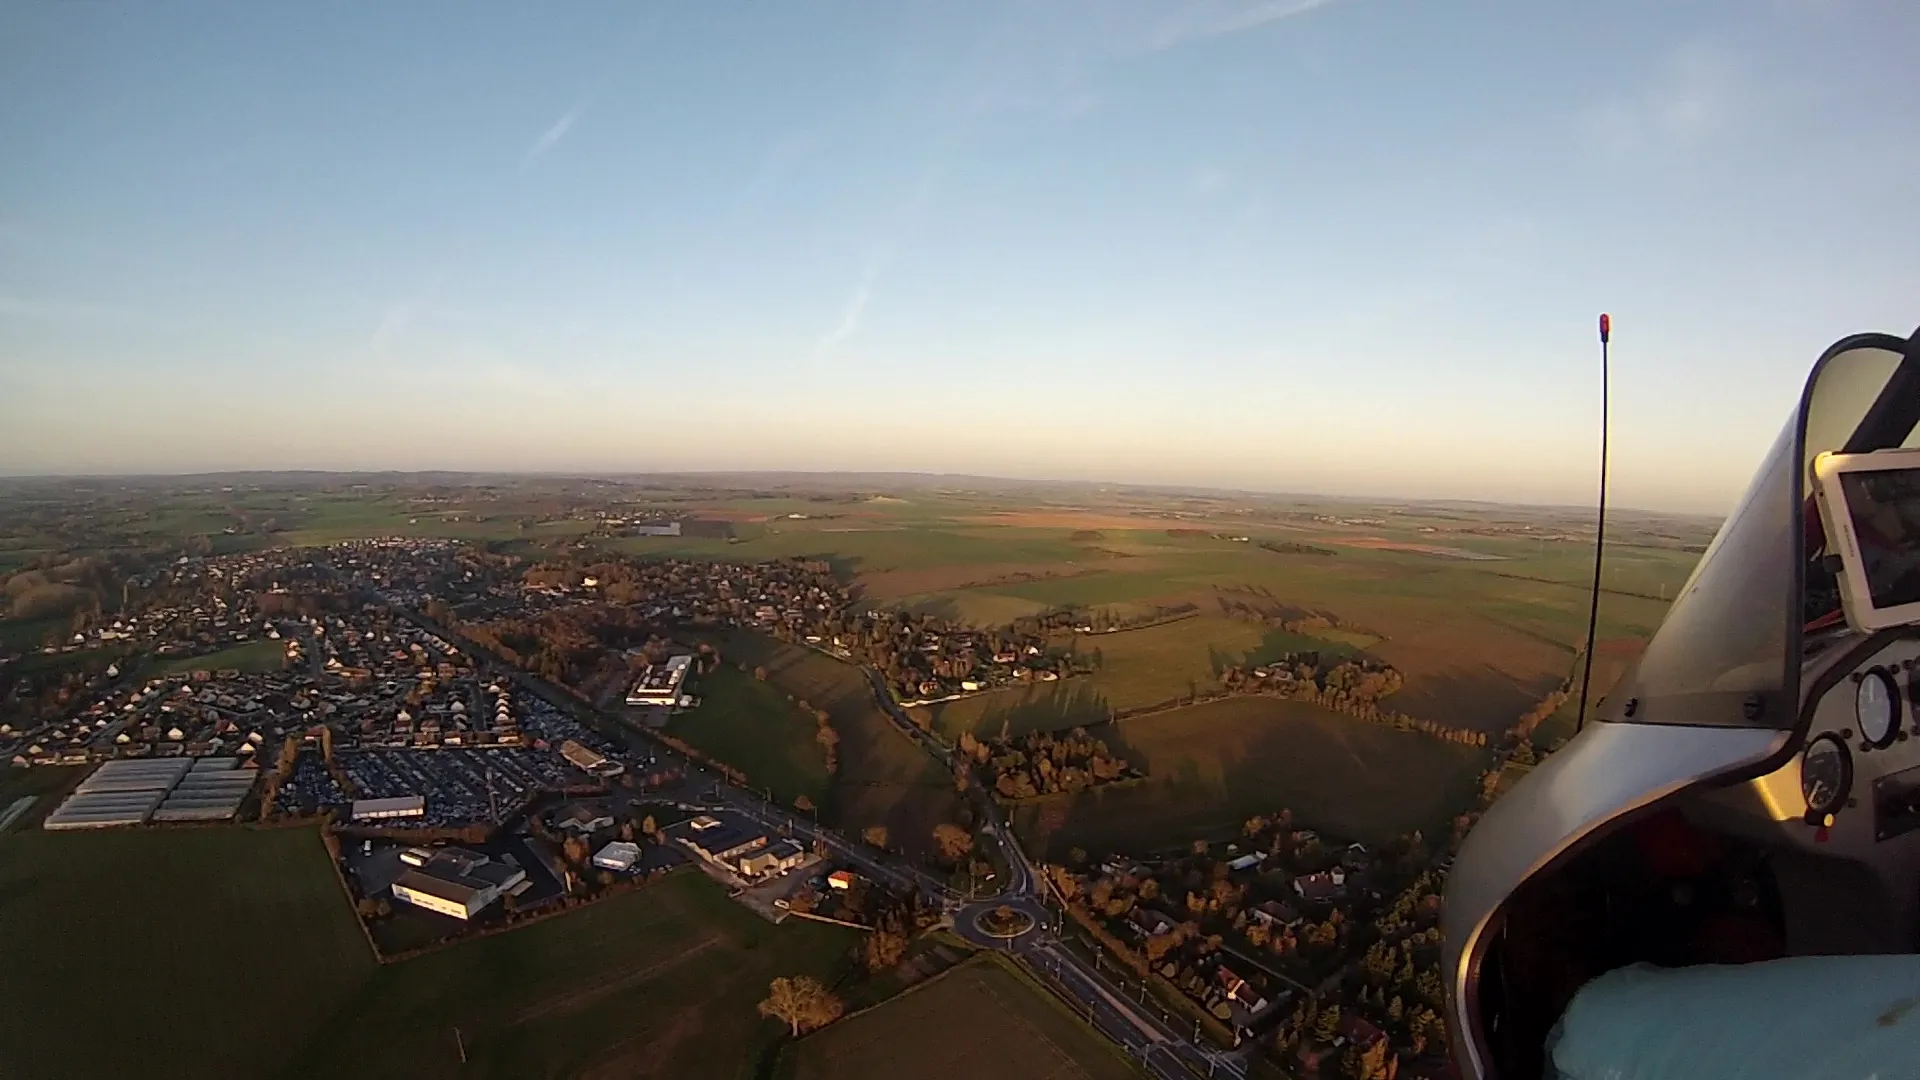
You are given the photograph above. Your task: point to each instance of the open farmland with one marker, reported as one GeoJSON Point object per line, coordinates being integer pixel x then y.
{"type": "Point", "coordinates": [660, 982]}
{"type": "Point", "coordinates": [884, 779]}
{"type": "Point", "coordinates": [254, 929]}
{"type": "Point", "coordinates": [1212, 766]}
{"type": "Point", "coordinates": [979, 1021]}
{"type": "Point", "coordinates": [752, 726]}
{"type": "Point", "coordinates": [133, 931]}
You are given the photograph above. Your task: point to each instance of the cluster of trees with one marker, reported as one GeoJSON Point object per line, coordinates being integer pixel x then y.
{"type": "Point", "coordinates": [1046, 763]}
{"type": "Point", "coordinates": [1349, 686]}
{"type": "Point", "coordinates": [1288, 547]}
{"type": "Point", "coordinates": [565, 644]}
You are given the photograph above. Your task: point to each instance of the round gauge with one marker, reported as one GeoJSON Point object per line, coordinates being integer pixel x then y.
{"type": "Point", "coordinates": [1876, 705]}
{"type": "Point", "coordinates": [1826, 774]}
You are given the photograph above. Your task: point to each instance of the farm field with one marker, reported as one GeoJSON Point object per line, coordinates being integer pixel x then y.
{"type": "Point", "coordinates": [1212, 766]}
{"type": "Point", "coordinates": [752, 726]}
{"type": "Point", "coordinates": [251, 926]}
{"type": "Point", "coordinates": [660, 982]}
{"type": "Point", "coordinates": [884, 779]}
{"type": "Point", "coordinates": [143, 927]}
{"type": "Point", "coordinates": [978, 1021]}
{"type": "Point", "coordinates": [263, 655]}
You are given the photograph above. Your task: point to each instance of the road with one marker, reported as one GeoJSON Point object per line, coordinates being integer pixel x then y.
{"type": "Point", "coordinates": [1147, 1032]}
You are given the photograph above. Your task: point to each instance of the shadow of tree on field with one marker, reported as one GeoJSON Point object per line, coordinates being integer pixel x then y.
{"type": "Point", "coordinates": [1056, 708]}
{"type": "Point", "coordinates": [1479, 698]}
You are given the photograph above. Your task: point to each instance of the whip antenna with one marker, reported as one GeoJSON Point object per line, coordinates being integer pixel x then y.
{"type": "Point", "coordinates": [1599, 529]}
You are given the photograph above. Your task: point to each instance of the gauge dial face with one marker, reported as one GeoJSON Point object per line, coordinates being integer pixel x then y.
{"type": "Point", "coordinates": [1876, 705]}
{"type": "Point", "coordinates": [1826, 772]}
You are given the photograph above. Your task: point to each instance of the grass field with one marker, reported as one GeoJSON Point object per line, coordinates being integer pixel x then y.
{"type": "Point", "coordinates": [1137, 668]}
{"type": "Point", "coordinates": [1212, 766]}
{"type": "Point", "coordinates": [188, 952]}
{"type": "Point", "coordinates": [752, 726]}
{"type": "Point", "coordinates": [263, 655]}
{"type": "Point", "coordinates": [980, 1021]}
{"type": "Point", "coordinates": [884, 779]}
{"type": "Point", "coordinates": [661, 982]}
{"type": "Point", "coordinates": [239, 958]}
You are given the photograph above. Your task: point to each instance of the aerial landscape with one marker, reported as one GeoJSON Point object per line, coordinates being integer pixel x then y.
{"type": "Point", "coordinates": [855, 540]}
{"type": "Point", "coordinates": [1081, 703]}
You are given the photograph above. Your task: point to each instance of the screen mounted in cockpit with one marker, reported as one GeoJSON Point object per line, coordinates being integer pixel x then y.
{"type": "Point", "coordinates": [1870, 505]}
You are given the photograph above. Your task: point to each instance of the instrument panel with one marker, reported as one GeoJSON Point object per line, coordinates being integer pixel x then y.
{"type": "Point", "coordinates": [1842, 818]}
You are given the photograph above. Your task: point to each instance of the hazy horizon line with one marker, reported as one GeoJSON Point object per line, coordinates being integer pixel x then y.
{"type": "Point", "coordinates": [583, 474]}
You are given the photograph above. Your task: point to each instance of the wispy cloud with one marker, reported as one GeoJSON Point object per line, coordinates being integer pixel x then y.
{"type": "Point", "coordinates": [555, 132]}
{"type": "Point", "coordinates": [1202, 19]}
{"type": "Point", "coordinates": [1693, 96]}
{"type": "Point", "coordinates": [849, 317]}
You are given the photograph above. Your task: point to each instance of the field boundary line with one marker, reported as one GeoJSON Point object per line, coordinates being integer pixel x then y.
{"type": "Point", "coordinates": [586, 995]}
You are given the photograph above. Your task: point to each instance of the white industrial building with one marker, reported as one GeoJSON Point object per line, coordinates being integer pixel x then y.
{"type": "Point", "coordinates": [400, 806]}
{"type": "Point", "coordinates": [660, 684]}
{"type": "Point", "coordinates": [458, 882]}
{"type": "Point", "coordinates": [621, 855]}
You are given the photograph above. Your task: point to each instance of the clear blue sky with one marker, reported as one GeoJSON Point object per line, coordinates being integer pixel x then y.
{"type": "Point", "coordinates": [1351, 246]}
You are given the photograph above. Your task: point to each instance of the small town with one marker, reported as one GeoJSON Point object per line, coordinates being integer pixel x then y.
{"type": "Point", "coordinates": [481, 740]}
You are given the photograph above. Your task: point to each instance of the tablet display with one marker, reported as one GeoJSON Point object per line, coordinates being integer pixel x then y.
{"type": "Point", "coordinates": [1883, 507]}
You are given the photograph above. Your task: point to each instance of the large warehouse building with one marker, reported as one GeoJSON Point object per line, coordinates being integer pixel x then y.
{"type": "Point", "coordinates": [457, 882]}
{"type": "Point", "coordinates": [660, 684]}
{"type": "Point", "coordinates": [210, 791]}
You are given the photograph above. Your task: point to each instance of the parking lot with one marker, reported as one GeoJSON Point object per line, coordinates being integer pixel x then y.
{"type": "Point", "coordinates": [461, 785]}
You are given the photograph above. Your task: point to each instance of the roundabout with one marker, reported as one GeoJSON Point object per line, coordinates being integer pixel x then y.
{"type": "Point", "coordinates": [996, 923]}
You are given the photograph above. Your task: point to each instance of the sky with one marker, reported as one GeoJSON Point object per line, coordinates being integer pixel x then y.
{"type": "Point", "coordinates": [1345, 246]}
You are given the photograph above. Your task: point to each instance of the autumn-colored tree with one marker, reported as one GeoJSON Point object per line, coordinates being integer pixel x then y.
{"type": "Point", "coordinates": [952, 841]}
{"type": "Point", "coordinates": [1326, 1027]}
{"type": "Point", "coordinates": [884, 949]}
{"type": "Point", "coordinates": [803, 804]}
{"type": "Point", "coordinates": [575, 849]}
{"type": "Point", "coordinates": [760, 673]}
{"type": "Point", "coordinates": [1159, 945]}
{"type": "Point", "coordinates": [649, 827]}
{"type": "Point", "coordinates": [801, 1003]}
{"type": "Point", "coordinates": [875, 835]}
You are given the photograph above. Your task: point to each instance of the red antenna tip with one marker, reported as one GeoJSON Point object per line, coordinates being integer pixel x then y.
{"type": "Point", "coordinates": [1606, 327]}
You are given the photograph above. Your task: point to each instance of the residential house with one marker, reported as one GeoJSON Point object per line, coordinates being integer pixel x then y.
{"type": "Point", "coordinates": [1320, 888]}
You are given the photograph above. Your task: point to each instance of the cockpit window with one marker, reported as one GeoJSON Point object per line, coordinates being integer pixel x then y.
{"type": "Point", "coordinates": [1727, 654]}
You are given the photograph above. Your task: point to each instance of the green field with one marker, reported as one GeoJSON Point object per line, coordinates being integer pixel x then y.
{"type": "Point", "coordinates": [118, 938]}
{"type": "Point", "coordinates": [752, 726]}
{"type": "Point", "coordinates": [222, 953]}
{"type": "Point", "coordinates": [980, 1021]}
{"type": "Point", "coordinates": [884, 778]}
{"type": "Point", "coordinates": [263, 655]}
{"type": "Point", "coordinates": [661, 982]}
{"type": "Point", "coordinates": [1212, 766]}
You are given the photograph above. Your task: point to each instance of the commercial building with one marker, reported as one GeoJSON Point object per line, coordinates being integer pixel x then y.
{"type": "Point", "coordinates": [582, 819]}
{"type": "Point", "coordinates": [402, 806]}
{"type": "Point", "coordinates": [619, 855]}
{"type": "Point", "coordinates": [776, 858]}
{"type": "Point", "coordinates": [589, 760]}
{"type": "Point", "coordinates": [736, 844]}
{"type": "Point", "coordinates": [458, 882]}
{"type": "Point", "coordinates": [660, 684]}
